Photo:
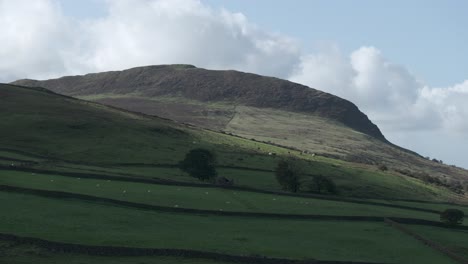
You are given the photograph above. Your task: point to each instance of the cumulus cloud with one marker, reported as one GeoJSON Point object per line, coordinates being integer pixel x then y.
{"type": "Point", "coordinates": [451, 105]}
{"type": "Point", "coordinates": [169, 31]}
{"type": "Point", "coordinates": [34, 37]}
{"type": "Point", "coordinates": [393, 97]}
{"type": "Point", "coordinates": [38, 41]}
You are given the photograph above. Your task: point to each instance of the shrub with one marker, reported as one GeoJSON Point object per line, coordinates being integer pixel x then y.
{"type": "Point", "coordinates": [452, 216]}
{"type": "Point", "coordinates": [199, 163]}
{"type": "Point", "coordinates": [383, 167]}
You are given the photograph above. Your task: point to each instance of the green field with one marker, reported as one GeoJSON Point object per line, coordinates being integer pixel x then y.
{"type": "Point", "coordinates": [202, 198]}
{"type": "Point", "coordinates": [455, 240]}
{"type": "Point", "coordinates": [68, 221]}
{"type": "Point", "coordinates": [45, 138]}
{"type": "Point", "coordinates": [43, 257]}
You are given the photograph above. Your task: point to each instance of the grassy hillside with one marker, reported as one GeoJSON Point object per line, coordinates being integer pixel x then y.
{"type": "Point", "coordinates": [62, 131]}
{"type": "Point", "coordinates": [214, 86]}
{"type": "Point", "coordinates": [83, 181]}
{"type": "Point", "coordinates": [254, 107]}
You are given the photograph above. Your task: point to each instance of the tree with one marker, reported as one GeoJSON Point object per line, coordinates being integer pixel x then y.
{"type": "Point", "coordinates": [322, 184]}
{"type": "Point", "coordinates": [288, 174]}
{"type": "Point", "coordinates": [199, 163]}
{"type": "Point", "coordinates": [452, 216]}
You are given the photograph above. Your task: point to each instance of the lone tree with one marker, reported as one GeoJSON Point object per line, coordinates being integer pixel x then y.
{"type": "Point", "coordinates": [452, 216]}
{"type": "Point", "coordinates": [322, 184]}
{"type": "Point", "coordinates": [199, 163]}
{"type": "Point", "coordinates": [288, 174]}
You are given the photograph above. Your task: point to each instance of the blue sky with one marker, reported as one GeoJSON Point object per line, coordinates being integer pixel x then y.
{"type": "Point", "coordinates": [403, 63]}
{"type": "Point", "coordinates": [427, 36]}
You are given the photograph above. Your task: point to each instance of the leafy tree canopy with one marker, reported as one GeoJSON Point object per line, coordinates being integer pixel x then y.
{"type": "Point", "coordinates": [199, 163]}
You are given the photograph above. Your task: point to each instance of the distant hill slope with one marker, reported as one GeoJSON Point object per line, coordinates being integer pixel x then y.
{"type": "Point", "coordinates": [252, 106]}
{"type": "Point", "coordinates": [213, 86]}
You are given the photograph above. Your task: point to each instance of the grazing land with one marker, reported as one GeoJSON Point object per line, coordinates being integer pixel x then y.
{"type": "Point", "coordinates": [79, 180]}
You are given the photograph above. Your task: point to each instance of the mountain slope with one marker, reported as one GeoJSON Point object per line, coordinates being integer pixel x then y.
{"type": "Point", "coordinates": [42, 122]}
{"type": "Point", "coordinates": [45, 131]}
{"type": "Point", "coordinates": [214, 86]}
{"type": "Point", "coordinates": [255, 107]}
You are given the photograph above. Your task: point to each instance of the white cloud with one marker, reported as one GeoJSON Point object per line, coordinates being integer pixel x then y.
{"type": "Point", "coordinates": [393, 97]}
{"type": "Point", "coordinates": [185, 31]}
{"type": "Point", "coordinates": [38, 41]}
{"type": "Point", "coordinates": [34, 36]}
{"type": "Point", "coordinates": [451, 104]}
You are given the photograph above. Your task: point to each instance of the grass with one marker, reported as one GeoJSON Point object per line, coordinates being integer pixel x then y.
{"type": "Point", "coordinates": [69, 221]}
{"type": "Point", "coordinates": [315, 134]}
{"type": "Point", "coordinates": [202, 198]}
{"type": "Point", "coordinates": [82, 132]}
{"type": "Point", "coordinates": [431, 206]}
{"type": "Point", "coordinates": [14, 253]}
{"type": "Point", "coordinates": [19, 156]}
{"type": "Point", "coordinates": [290, 128]}
{"type": "Point", "coordinates": [61, 134]}
{"type": "Point", "coordinates": [455, 240]}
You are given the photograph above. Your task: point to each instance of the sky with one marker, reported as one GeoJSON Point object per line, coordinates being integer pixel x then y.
{"type": "Point", "coordinates": [403, 63]}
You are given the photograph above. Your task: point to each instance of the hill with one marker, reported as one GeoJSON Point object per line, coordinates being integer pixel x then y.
{"type": "Point", "coordinates": [56, 131]}
{"type": "Point", "coordinates": [88, 183]}
{"type": "Point", "coordinates": [202, 85]}
{"type": "Point", "coordinates": [255, 107]}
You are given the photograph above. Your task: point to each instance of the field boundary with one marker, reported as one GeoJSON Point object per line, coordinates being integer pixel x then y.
{"type": "Point", "coordinates": [206, 185]}
{"type": "Point", "coordinates": [134, 251]}
{"type": "Point", "coordinates": [115, 202]}
{"type": "Point", "coordinates": [66, 195]}
{"type": "Point", "coordinates": [434, 245]}
{"type": "Point", "coordinates": [164, 181]}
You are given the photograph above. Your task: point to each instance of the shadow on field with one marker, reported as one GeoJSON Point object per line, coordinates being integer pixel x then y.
{"type": "Point", "coordinates": [185, 253]}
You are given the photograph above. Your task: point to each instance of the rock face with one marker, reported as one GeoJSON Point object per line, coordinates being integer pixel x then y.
{"type": "Point", "coordinates": [208, 86]}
